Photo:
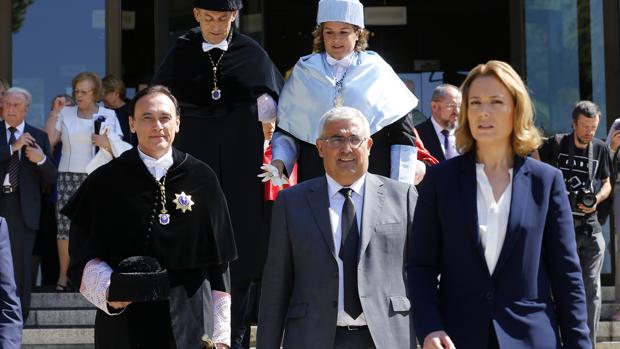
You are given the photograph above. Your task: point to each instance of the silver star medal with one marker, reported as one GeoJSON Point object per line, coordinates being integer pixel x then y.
{"type": "Point", "coordinates": [184, 202]}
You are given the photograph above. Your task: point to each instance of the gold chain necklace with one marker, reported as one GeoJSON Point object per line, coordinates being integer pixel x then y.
{"type": "Point", "coordinates": [216, 93]}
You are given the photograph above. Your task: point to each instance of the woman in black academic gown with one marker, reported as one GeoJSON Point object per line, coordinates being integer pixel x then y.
{"type": "Point", "coordinates": [155, 201]}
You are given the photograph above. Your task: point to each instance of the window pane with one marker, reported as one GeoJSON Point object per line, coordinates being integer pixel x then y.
{"type": "Point", "coordinates": [552, 58]}
{"type": "Point", "coordinates": [56, 40]}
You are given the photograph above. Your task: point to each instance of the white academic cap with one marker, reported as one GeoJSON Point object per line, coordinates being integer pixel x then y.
{"type": "Point", "coordinates": [347, 11]}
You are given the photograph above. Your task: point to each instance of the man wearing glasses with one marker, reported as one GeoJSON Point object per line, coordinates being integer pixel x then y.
{"type": "Point", "coordinates": [334, 276]}
{"type": "Point", "coordinates": [437, 132]}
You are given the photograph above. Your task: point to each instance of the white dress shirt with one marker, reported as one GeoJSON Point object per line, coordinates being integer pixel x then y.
{"type": "Point", "coordinates": [492, 217]}
{"type": "Point", "coordinates": [157, 167]}
{"type": "Point", "coordinates": [336, 201]}
{"type": "Point", "coordinates": [451, 137]}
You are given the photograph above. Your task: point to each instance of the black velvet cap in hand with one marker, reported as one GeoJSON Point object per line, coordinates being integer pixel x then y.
{"type": "Point", "coordinates": [139, 279]}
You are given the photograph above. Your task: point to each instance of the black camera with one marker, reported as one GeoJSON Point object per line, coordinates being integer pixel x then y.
{"type": "Point", "coordinates": [581, 196]}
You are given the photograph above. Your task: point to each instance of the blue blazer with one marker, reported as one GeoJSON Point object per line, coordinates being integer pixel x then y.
{"type": "Point", "coordinates": [10, 310]}
{"type": "Point", "coordinates": [536, 290]}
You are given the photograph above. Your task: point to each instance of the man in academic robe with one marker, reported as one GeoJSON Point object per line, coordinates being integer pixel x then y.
{"type": "Point", "coordinates": [159, 202]}
{"type": "Point", "coordinates": [226, 84]}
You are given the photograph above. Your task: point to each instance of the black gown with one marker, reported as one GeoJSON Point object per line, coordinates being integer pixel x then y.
{"type": "Point", "coordinates": [226, 133]}
{"type": "Point", "coordinates": [114, 215]}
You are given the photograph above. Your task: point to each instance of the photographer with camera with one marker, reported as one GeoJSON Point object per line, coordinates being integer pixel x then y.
{"type": "Point", "coordinates": [584, 161]}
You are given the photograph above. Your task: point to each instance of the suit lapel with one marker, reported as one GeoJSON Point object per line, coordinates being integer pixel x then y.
{"type": "Point", "coordinates": [521, 182]}
{"type": "Point", "coordinates": [3, 140]}
{"type": "Point", "coordinates": [468, 194]}
{"type": "Point", "coordinates": [319, 206]}
{"type": "Point", "coordinates": [373, 204]}
{"type": "Point", "coordinates": [431, 142]}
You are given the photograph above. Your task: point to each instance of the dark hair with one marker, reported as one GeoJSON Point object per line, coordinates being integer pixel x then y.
{"type": "Point", "coordinates": [4, 83]}
{"type": "Point", "coordinates": [585, 108]}
{"type": "Point", "coordinates": [318, 45]}
{"type": "Point", "coordinates": [150, 91]}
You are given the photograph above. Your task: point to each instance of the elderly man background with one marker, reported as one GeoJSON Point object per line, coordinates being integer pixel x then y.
{"type": "Point", "coordinates": [334, 276]}
{"type": "Point", "coordinates": [25, 166]}
{"type": "Point", "coordinates": [437, 132]}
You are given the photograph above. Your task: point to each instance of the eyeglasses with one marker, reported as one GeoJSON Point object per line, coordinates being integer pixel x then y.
{"type": "Point", "coordinates": [81, 92]}
{"type": "Point", "coordinates": [340, 141]}
{"type": "Point", "coordinates": [452, 106]}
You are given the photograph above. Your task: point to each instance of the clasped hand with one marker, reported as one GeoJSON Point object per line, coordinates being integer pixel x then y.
{"type": "Point", "coordinates": [32, 151]}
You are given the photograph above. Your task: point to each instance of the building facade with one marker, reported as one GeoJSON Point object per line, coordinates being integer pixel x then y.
{"type": "Point", "coordinates": [566, 50]}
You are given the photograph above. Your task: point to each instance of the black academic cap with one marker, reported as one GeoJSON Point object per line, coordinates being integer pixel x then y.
{"type": "Point", "coordinates": [219, 5]}
{"type": "Point", "coordinates": [139, 279]}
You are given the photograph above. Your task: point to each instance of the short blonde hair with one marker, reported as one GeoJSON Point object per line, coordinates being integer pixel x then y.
{"type": "Point", "coordinates": [525, 135]}
{"type": "Point", "coordinates": [94, 79]}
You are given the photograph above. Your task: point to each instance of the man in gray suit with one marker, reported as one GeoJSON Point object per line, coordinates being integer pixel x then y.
{"type": "Point", "coordinates": [328, 284]}
{"type": "Point", "coordinates": [25, 167]}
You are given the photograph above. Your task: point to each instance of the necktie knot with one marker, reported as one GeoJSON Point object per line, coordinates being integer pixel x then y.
{"type": "Point", "coordinates": [12, 130]}
{"type": "Point", "coordinates": [346, 192]}
{"type": "Point", "coordinates": [448, 145]}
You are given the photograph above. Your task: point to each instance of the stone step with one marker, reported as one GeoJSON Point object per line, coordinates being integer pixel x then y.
{"type": "Point", "coordinates": [55, 300]}
{"type": "Point", "coordinates": [608, 345]}
{"type": "Point", "coordinates": [61, 317]}
{"type": "Point", "coordinates": [608, 293]}
{"type": "Point", "coordinates": [58, 336]}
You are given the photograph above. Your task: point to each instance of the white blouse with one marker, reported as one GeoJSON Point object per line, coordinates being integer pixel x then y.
{"type": "Point", "coordinates": [492, 216]}
{"type": "Point", "coordinates": [76, 133]}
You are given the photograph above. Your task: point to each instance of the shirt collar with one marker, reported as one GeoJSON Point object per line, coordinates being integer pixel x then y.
{"type": "Point", "coordinates": [20, 127]}
{"type": "Point", "coordinates": [438, 127]}
{"type": "Point", "coordinates": [343, 62]}
{"type": "Point", "coordinates": [164, 162]}
{"type": "Point", "coordinates": [333, 187]}
{"type": "Point", "coordinates": [206, 46]}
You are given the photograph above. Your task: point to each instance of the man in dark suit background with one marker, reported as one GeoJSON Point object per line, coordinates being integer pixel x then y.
{"type": "Point", "coordinates": [10, 311]}
{"type": "Point", "coordinates": [437, 132]}
{"type": "Point", "coordinates": [328, 284]}
{"type": "Point", "coordinates": [25, 165]}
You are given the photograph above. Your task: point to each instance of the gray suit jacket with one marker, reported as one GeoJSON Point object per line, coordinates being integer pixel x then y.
{"type": "Point", "coordinates": [300, 283]}
{"type": "Point", "coordinates": [31, 177]}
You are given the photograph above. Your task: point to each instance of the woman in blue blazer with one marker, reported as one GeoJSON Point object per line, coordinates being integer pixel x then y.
{"type": "Point", "coordinates": [493, 260]}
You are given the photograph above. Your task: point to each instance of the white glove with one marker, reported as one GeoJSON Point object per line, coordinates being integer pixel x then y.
{"type": "Point", "coordinates": [272, 174]}
{"type": "Point", "coordinates": [420, 171]}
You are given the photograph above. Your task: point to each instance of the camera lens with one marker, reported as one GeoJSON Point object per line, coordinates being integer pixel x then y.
{"type": "Point", "coordinates": [588, 199]}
